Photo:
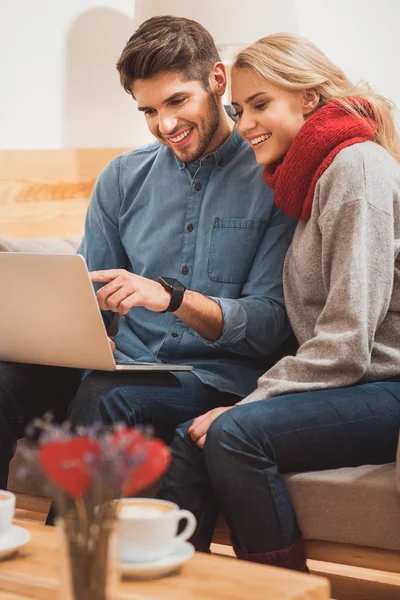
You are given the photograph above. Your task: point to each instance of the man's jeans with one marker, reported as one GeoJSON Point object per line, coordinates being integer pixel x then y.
{"type": "Point", "coordinates": [26, 392]}
{"type": "Point", "coordinates": [248, 448]}
{"type": "Point", "coordinates": [161, 399]}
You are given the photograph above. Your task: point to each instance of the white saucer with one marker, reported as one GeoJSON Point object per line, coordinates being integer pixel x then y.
{"type": "Point", "coordinates": [12, 539]}
{"type": "Point", "coordinates": [158, 568]}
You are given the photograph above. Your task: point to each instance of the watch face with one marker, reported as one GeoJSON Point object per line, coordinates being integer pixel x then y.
{"type": "Point", "coordinates": [168, 281]}
{"type": "Point", "coordinates": [170, 284]}
{"type": "Point", "coordinates": [176, 289]}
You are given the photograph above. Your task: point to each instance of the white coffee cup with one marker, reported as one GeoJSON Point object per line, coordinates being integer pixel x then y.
{"type": "Point", "coordinates": [7, 509]}
{"type": "Point", "coordinates": [147, 528]}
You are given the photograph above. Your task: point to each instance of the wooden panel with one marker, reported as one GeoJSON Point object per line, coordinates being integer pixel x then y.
{"type": "Point", "coordinates": [356, 583]}
{"type": "Point", "coordinates": [356, 556]}
{"type": "Point", "coordinates": [346, 554]}
{"type": "Point", "coordinates": [45, 193]}
{"type": "Point", "coordinates": [43, 219]}
{"type": "Point", "coordinates": [29, 502]}
{"type": "Point", "coordinates": [355, 572]}
{"type": "Point", "coordinates": [33, 573]}
{"type": "Point", "coordinates": [30, 516]}
{"type": "Point", "coordinates": [223, 550]}
{"type": "Point", "coordinates": [73, 166]}
{"type": "Point", "coordinates": [222, 536]}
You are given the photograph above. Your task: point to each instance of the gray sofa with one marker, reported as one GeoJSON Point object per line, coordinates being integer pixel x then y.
{"type": "Point", "coordinates": [349, 515]}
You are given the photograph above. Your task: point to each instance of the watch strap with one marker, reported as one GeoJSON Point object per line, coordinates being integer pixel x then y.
{"type": "Point", "coordinates": [177, 291]}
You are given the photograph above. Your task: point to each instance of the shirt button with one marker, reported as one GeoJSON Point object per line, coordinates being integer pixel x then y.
{"type": "Point", "coordinates": [174, 334]}
{"type": "Point", "coordinates": [163, 361]}
{"type": "Point", "coordinates": [185, 270]}
{"type": "Point", "coordinates": [181, 164]}
{"type": "Point", "coordinates": [197, 186]}
{"type": "Point", "coordinates": [190, 227]}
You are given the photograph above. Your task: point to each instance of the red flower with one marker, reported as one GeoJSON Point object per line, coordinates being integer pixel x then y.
{"type": "Point", "coordinates": [64, 463]}
{"type": "Point", "coordinates": [126, 462]}
{"type": "Point", "coordinates": [149, 457]}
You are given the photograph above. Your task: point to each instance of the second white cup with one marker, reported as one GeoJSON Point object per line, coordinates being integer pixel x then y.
{"type": "Point", "coordinates": [147, 528]}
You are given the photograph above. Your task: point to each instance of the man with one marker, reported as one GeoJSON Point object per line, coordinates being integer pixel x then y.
{"type": "Point", "coordinates": [192, 207]}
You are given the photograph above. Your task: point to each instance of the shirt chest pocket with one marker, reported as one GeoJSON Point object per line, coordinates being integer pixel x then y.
{"type": "Point", "coordinates": [234, 244]}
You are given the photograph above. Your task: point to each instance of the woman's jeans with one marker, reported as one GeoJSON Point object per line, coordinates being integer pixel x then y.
{"type": "Point", "coordinates": [249, 447]}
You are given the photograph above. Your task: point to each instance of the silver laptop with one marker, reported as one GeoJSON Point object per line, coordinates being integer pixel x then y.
{"type": "Point", "coordinates": [49, 315]}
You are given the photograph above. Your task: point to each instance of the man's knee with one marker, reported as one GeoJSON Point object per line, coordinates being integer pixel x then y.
{"type": "Point", "coordinates": [107, 398]}
{"type": "Point", "coordinates": [13, 381]}
{"type": "Point", "coordinates": [93, 399]}
{"type": "Point", "coordinates": [28, 390]}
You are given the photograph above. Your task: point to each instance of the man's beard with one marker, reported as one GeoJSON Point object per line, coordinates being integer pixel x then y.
{"type": "Point", "coordinates": [210, 125]}
{"type": "Point", "coordinates": [212, 119]}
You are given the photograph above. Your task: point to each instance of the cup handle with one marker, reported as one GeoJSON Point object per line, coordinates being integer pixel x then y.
{"type": "Point", "coordinates": [190, 525]}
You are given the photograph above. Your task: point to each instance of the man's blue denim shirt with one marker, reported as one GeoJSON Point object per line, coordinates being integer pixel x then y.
{"type": "Point", "coordinates": [213, 225]}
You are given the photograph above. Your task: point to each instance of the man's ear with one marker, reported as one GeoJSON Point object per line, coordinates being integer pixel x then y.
{"type": "Point", "coordinates": [310, 100]}
{"type": "Point", "coordinates": [218, 79]}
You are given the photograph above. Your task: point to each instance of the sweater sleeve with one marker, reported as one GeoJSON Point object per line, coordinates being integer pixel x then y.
{"type": "Point", "coordinates": [357, 268]}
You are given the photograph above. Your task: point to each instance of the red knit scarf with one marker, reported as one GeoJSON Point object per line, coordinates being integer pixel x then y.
{"type": "Point", "coordinates": [322, 136]}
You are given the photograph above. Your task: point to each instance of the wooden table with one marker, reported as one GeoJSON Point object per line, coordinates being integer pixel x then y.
{"type": "Point", "coordinates": [33, 573]}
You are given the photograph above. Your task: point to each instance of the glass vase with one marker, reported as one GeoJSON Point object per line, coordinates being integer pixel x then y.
{"type": "Point", "coordinates": [88, 562]}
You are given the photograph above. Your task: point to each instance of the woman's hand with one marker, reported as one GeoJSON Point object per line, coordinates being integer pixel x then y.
{"type": "Point", "coordinates": [199, 427]}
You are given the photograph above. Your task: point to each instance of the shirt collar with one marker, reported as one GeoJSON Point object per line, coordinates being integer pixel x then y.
{"type": "Point", "coordinates": [223, 153]}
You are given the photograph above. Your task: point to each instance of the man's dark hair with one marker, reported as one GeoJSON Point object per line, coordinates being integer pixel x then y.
{"type": "Point", "coordinates": [168, 45]}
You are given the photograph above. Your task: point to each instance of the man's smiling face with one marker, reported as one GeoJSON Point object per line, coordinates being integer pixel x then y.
{"type": "Point", "coordinates": [180, 114]}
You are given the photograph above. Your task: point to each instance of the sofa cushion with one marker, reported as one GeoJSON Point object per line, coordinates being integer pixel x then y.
{"type": "Point", "coordinates": [354, 505]}
{"type": "Point", "coordinates": [51, 245]}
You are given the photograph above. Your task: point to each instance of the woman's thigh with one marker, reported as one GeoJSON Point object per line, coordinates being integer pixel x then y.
{"type": "Point", "coordinates": [322, 429]}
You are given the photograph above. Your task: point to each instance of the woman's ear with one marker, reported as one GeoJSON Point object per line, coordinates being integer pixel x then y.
{"type": "Point", "coordinates": [218, 79]}
{"type": "Point", "coordinates": [310, 100]}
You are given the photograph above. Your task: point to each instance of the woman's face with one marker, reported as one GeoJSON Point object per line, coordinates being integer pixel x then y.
{"type": "Point", "coordinates": [269, 117]}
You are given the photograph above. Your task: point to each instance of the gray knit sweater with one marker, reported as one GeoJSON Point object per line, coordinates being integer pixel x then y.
{"type": "Point", "coordinates": [342, 279]}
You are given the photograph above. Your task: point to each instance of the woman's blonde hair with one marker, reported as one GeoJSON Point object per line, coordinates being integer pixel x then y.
{"type": "Point", "coordinates": [293, 63]}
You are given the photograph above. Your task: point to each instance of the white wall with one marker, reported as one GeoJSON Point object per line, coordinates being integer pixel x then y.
{"type": "Point", "coordinates": [58, 82]}
{"type": "Point", "coordinates": [229, 21]}
{"type": "Point", "coordinates": [360, 36]}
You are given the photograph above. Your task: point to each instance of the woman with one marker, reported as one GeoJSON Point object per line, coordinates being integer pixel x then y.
{"type": "Point", "coordinates": [331, 153]}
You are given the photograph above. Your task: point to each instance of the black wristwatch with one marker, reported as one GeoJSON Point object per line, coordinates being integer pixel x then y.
{"type": "Point", "coordinates": [176, 289]}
